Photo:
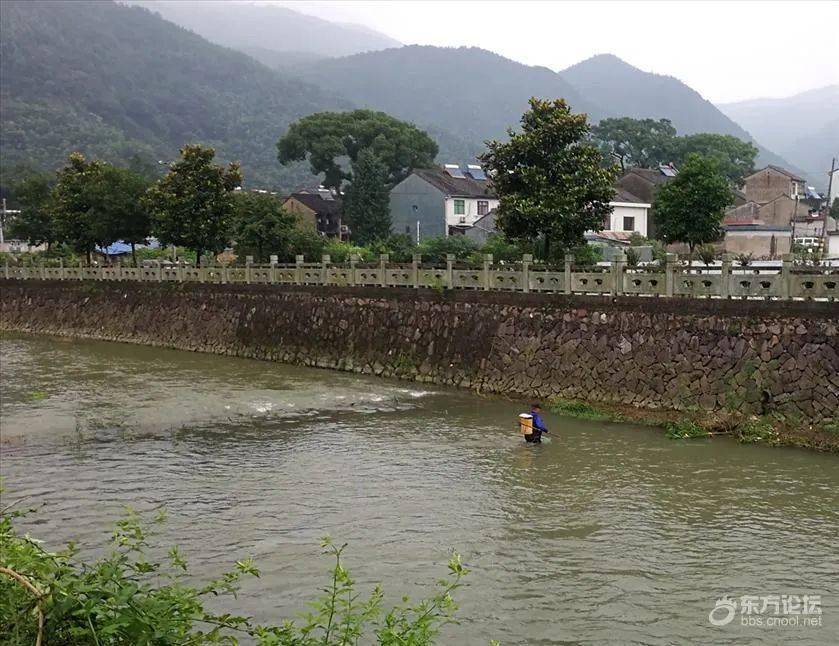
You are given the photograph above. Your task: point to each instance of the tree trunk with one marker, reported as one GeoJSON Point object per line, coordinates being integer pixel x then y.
{"type": "Point", "coordinates": [547, 248]}
{"type": "Point", "coordinates": [134, 254]}
{"type": "Point", "coordinates": [198, 253]}
{"type": "Point", "coordinates": [89, 258]}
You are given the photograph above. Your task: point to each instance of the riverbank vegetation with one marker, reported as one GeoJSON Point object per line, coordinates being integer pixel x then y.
{"type": "Point", "coordinates": [773, 429]}
{"type": "Point", "coordinates": [129, 597]}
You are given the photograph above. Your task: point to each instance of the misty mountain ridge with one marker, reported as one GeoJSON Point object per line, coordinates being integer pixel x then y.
{"type": "Point", "coordinates": [114, 80]}
{"type": "Point", "coordinates": [804, 128]}
{"type": "Point", "coordinates": [269, 27]}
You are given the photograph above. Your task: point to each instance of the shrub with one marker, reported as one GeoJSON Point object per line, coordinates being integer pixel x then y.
{"type": "Point", "coordinates": [757, 430]}
{"type": "Point", "coordinates": [126, 598]}
{"type": "Point", "coordinates": [684, 429]}
{"type": "Point", "coordinates": [435, 249]}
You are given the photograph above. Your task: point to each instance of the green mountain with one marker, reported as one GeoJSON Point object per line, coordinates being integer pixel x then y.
{"type": "Point", "coordinates": [804, 128]}
{"type": "Point", "coordinates": [113, 81]}
{"type": "Point", "coordinates": [468, 91]}
{"type": "Point", "coordinates": [622, 90]}
{"type": "Point", "coordinates": [268, 27]}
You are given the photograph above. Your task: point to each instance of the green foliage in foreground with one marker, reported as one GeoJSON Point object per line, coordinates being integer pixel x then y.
{"type": "Point", "coordinates": [684, 429]}
{"type": "Point", "coordinates": [125, 597]}
{"type": "Point", "coordinates": [582, 410]}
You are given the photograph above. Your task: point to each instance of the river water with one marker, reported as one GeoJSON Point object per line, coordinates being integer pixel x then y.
{"type": "Point", "coordinates": [607, 534]}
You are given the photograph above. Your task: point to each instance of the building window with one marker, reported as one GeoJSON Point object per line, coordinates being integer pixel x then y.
{"type": "Point", "coordinates": [460, 207]}
{"type": "Point", "coordinates": [629, 223]}
{"type": "Point", "coordinates": [483, 207]}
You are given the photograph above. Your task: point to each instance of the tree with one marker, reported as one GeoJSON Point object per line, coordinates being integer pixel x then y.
{"type": "Point", "coordinates": [551, 182]}
{"type": "Point", "coordinates": [326, 137]}
{"type": "Point", "coordinates": [77, 200]}
{"type": "Point", "coordinates": [735, 157]}
{"type": "Point", "coordinates": [690, 208]}
{"type": "Point", "coordinates": [119, 196]}
{"type": "Point", "coordinates": [192, 205]}
{"type": "Point", "coordinates": [636, 142]}
{"type": "Point", "coordinates": [35, 221]}
{"type": "Point", "coordinates": [834, 209]}
{"type": "Point", "coordinates": [367, 201]}
{"type": "Point", "coordinates": [261, 225]}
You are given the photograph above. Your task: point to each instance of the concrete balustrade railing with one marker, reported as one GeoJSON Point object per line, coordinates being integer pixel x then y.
{"type": "Point", "coordinates": [670, 280]}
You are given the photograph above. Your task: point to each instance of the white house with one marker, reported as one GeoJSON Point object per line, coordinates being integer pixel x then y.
{"type": "Point", "coordinates": [629, 213]}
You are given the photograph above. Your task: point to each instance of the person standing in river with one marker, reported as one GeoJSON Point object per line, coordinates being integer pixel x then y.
{"type": "Point", "coordinates": [538, 425]}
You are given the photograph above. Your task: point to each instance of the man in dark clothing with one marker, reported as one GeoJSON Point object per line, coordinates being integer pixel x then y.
{"type": "Point", "coordinates": [538, 425]}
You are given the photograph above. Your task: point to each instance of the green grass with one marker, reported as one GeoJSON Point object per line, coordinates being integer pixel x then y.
{"type": "Point", "coordinates": [582, 410]}
{"type": "Point", "coordinates": [684, 429]}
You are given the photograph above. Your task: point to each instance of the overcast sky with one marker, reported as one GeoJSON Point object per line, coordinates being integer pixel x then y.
{"type": "Point", "coordinates": [727, 51]}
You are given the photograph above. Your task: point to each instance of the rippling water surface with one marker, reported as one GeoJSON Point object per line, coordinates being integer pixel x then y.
{"type": "Point", "coordinates": [609, 533]}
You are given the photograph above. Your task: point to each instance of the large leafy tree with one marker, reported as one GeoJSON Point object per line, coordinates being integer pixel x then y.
{"type": "Point", "coordinates": [328, 139]}
{"type": "Point", "coordinates": [261, 226]}
{"type": "Point", "coordinates": [367, 201]}
{"type": "Point", "coordinates": [119, 197]}
{"type": "Point", "coordinates": [735, 157]}
{"type": "Point", "coordinates": [192, 205]}
{"type": "Point", "coordinates": [690, 208]}
{"type": "Point", "coordinates": [635, 142]}
{"type": "Point", "coordinates": [35, 221]}
{"type": "Point", "coordinates": [551, 181]}
{"type": "Point", "coordinates": [80, 220]}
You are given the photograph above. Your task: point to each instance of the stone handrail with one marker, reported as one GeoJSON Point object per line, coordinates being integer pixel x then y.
{"type": "Point", "coordinates": [618, 279]}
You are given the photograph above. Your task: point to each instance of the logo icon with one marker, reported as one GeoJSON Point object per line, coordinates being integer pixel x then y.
{"type": "Point", "coordinates": [723, 612]}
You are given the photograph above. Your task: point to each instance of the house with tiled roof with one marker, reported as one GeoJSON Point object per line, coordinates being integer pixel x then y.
{"type": "Point", "coordinates": [319, 210]}
{"type": "Point", "coordinates": [442, 201]}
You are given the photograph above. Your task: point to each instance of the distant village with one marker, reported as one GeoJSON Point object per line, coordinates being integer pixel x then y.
{"type": "Point", "coordinates": [774, 212]}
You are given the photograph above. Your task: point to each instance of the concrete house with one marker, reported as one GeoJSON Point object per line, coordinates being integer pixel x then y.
{"type": "Point", "coordinates": [643, 183]}
{"type": "Point", "coordinates": [630, 214]}
{"type": "Point", "coordinates": [434, 202]}
{"type": "Point", "coordinates": [319, 210]}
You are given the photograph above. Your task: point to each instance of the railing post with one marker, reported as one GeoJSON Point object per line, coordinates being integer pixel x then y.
{"type": "Point", "coordinates": [569, 268]}
{"type": "Point", "coordinates": [725, 276]}
{"type": "Point", "coordinates": [6, 270]}
{"type": "Point", "coordinates": [383, 260]}
{"type": "Point", "coordinates": [670, 274]}
{"type": "Point", "coordinates": [353, 262]}
{"type": "Point", "coordinates": [450, 270]}
{"type": "Point", "coordinates": [159, 271]}
{"type": "Point", "coordinates": [43, 273]}
{"type": "Point", "coordinates": [526, 259]}
{"type": "Point", "coordinates": [416, 261]}
{"type": "Point", "coordinates": [299, 260]}
{"type": "Point", "coordinates": [786, 276]}
{"type": "Point", "coordinates": [618, 268]}
{"type": "Point", "coordinates": [324, 271]}
{"type": "Point", "coordinates": [487, 264]}
{"type": "Point", "coordinates": [273, 274]}
{"type": "Point", "coordinates": [248, 263]}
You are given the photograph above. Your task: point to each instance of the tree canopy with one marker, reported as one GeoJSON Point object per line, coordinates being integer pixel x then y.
{"type": "Point", "coordinates": [367, 200]}
{"type": "Point", "coordinates": [690, 208]}
{"type": "Point", "coordinates": [329, 138]}
{"type": "Point", "coordinates": [33, 195]}
{"type": "Point", "coordinates": [647, 143]}
{"type": "Point", "coordinates": [635, 142]}
{"type": "Point", "coordinates": [261, 226]}
{"type": "Point", "coordinates": [551, 182]}
{"type": "Point", "coordinates": [735, 157]}
{"type": "Point", "coordinates": [192, 205]}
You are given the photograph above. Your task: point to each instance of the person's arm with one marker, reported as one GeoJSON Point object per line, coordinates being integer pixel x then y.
{"type": "Point", "coordinates": [538, 423]}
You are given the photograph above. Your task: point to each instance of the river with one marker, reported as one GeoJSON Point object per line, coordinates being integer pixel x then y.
{"type": "Point", "coordinates": [609, 533]}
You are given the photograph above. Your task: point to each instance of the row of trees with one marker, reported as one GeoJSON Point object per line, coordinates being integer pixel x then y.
{"type": "Point", "coordinates": [91, 204]}
{"type": "Point", "coordinates": [554, 177]}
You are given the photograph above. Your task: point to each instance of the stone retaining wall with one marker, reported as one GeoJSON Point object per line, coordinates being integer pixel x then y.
{"type": "Point", "coordinates": [651, 353]}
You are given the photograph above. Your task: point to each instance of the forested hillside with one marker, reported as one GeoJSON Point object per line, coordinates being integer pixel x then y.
{"type": "Point", "coordinates": [621, 90]}
{"type": "Point", "coordinates": [113, 81]}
